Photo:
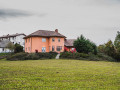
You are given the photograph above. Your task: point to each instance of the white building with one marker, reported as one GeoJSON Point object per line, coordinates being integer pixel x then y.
{"type": "Point", "coordinates": [3, 44]}
{"type": "Point", "coordinates": [15, 38]}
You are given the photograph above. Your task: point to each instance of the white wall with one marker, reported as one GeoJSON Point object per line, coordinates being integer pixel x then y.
{"type": "Point", "coordinates": [5, 50]}
{"type": "Point", "coordinates": [18, 39]}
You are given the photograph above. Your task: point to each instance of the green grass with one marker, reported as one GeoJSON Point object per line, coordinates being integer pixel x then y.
{"type": "Point", "coordinates": [59, 75]}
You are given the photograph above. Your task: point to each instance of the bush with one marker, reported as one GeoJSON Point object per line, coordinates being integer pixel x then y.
{"type": "Point", "coordinates": [32, 56]}
{"type": "Point", "coordinates": [83, 56]}
{"type": "Point", "coordinates": [100, 57]}
{"type": "Point", "coordinates": [69, 55]}
{"type": "Point", "coordinates": [17, 56]}
{"type": "Point", "coordinates": [18, 48]}
{"type": "Point", "coordinates": [4, 55]}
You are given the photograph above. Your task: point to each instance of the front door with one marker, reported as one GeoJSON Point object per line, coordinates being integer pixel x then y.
{"type": "Point", "coordinates": [43, 49]}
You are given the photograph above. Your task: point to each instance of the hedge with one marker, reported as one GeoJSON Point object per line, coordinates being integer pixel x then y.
{"type": "Point", "coordinates": [83, 56]}
{"type": "Point", "coordinates": [31, 56]}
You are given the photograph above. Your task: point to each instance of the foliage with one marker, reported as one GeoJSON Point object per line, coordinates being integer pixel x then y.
{"type": "Point", "coordinates": [18, 48]}
{"type": "Point", "coordinates": [117, 40]}
{"type": "Point", "coordinates": [69, 55]}
{"type": "Point", "coordinates": [17, 56]}
{"type": "Point", "coordinates": [100, 57]}
{"type": "Point", "coordinates": [59, 75]}
{"type": "Point", "coordinates": [4, 55]}
{"type": "Point", "coordinates": [83, 56]}
{"type": "Point", "coordinates": [84, 45]}
{"type": "Point", "coordinates": [109, 48]}
{"type": "Point", "coordinates": [32, 56]}
{"type": "Point", "coordinates": [11, 46]}
{"type": "Point", "coordinates": [101, 48]}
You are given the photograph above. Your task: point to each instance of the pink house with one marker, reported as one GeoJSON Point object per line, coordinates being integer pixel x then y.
{"type": "Point", "coordinates": [47, 41]}
{"type": "Point", "coordinates": [44, 41]}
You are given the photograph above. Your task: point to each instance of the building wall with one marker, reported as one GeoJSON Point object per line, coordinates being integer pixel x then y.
{"type": "Point", "coordinates": [56, 43]}
{"type": "Point", "coordinates": [35, 43]}
{"type": "Point", "coordinates": [5, 50]}
{"type": "Point", "coordinates": [69, 49]}
{"type": "Point", "coordinates": [16, 39]}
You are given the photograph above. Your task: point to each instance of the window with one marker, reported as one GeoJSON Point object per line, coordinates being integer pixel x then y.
{"type": "Point", "coordinates": [3, 49]}
{"type": "Point", "coordinates": [53, 40]}
{"type": "Point", "coordinates": [59, 48]}
{"type": "Point", "coordinates": [72, 49]}
{"type": "Point", "coordinates": [43, 49]}
{"type": "Point", "coordinates": [53, 48]}
{"type": "Point", "coordinates": [43, 39]}
{"type": "Point", "coordinates": [58, 39]}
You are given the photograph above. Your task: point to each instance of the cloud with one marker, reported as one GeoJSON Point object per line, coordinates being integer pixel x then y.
{"type": "Point", "coordinates": [42, 15]}
{"type": "Point", "coordinates": [12, 13]}
{"type": "Point", "coordinates": [96, 2]}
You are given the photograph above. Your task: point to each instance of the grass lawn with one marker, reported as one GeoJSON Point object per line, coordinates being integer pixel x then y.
{"type": "Point", "coordinates": [59, 75]}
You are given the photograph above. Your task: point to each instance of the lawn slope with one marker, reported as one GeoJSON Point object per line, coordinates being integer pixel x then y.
{"type": "Point", "coordinates": [59, 74]}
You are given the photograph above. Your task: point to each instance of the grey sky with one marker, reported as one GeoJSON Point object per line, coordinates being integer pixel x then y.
{"type": "Point", "coordinates": [98, 20]}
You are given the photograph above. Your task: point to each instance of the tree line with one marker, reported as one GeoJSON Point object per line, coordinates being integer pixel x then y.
{"type": "Point", "coordinates": [110, 48]}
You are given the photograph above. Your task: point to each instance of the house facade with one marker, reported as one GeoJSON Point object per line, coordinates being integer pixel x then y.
{"type": "Point", "coordinates": [3, 46]}
{"type": "Point", "coordinates": [14, 38]}
{"type": "Point", "coordinates": [44, 41]}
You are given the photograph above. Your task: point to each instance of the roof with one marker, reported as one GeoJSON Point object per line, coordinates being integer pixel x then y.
{"type": "Point", "coordinates": [4, 43]}
{"type": "Point", "coordinates": [12, 35]}
{"type": "Point", "coordinates": [45, 33]}
{"type": "Point", "coordinates": [69, 42]}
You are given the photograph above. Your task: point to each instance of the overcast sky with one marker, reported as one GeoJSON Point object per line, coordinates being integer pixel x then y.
{"type": "Point", "coordinates": [98, 20]}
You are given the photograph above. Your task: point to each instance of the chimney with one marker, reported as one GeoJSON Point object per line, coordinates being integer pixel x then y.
{"type": "Point", "coordinates": [56, 30]}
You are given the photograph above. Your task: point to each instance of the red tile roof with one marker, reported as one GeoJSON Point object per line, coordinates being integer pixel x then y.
{"type": "Point", "coordinates": [45, 33]}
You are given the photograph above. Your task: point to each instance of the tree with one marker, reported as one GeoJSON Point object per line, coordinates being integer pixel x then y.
{"type": "Point", "coordinates": [110, 49]}
{"type": "Point", "coordinates": [101, 48]}
{"type": "Point", "coordinates": [84, 45]}
{"type": "Point", "coordinates": [11, 46]}
{"type": "Point", "coordinates": [18, 48]}
{"type": "Point", "coordinates": [117, 40]}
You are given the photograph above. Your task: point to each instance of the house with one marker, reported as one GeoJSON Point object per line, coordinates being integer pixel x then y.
{"type": "Point", "coordinates": [14, 38]}
{"type": "Point", "coordinates": [44, 41]}
{"type": "Point", "coordinates": [69, 45]}
{"type": "Point", "coordinates": [3, 46]}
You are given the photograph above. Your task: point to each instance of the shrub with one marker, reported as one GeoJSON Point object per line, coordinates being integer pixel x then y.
{"type": "Point", "coordinates": [18, 48]}
{"type": "Point", "coordinates": [69, 55]}
{"type": "Point", "coordinates": [83, 56]}
{"type": "Point", "coordinates": [17, 56]}
{"type": "Point", "coordinates": [32, 56]}
{"type": "Point", "coordinates": [4, 55]}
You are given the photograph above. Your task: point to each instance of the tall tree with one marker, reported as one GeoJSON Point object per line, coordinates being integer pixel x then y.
{"type": "Point", "coordinates": [109, 48]}
{"type": "Point", "coordinates": [84, 45]}
{"type": "Point", "coordinates": [117, 41]}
